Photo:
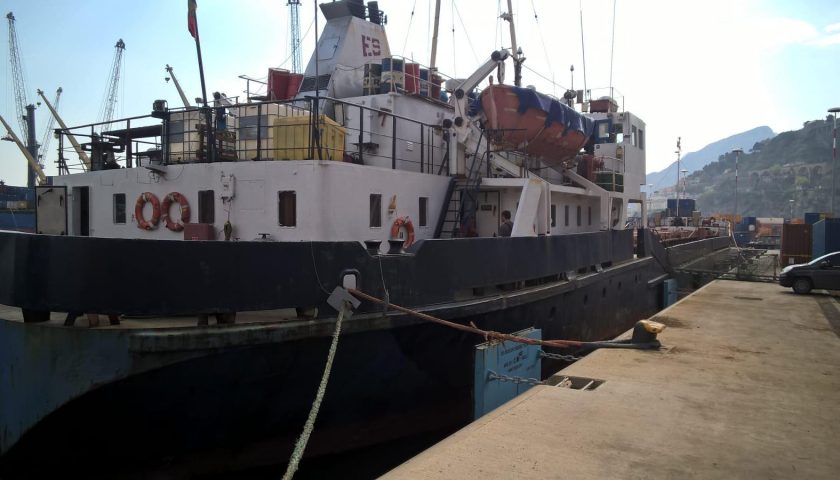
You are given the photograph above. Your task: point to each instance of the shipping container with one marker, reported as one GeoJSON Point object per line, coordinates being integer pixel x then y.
{"type": "Point", "coordinates": [825, 237]}
{"type": "Point", "coordinates": [687, 205]}
{"type": "Point", "coordinates": [814, 217]}
{"type": "Point", "coordinates": [24, 222]}
{"type": "Point", "coordinates": [796, 244]}
{"type": "Point", "coordinates": [749, 220]}
{"type": "Point", "coordinates": [769, 220]}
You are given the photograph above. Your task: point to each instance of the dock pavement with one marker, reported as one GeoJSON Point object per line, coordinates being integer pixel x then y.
{"type": "Point", "coordinates": [747, 385]}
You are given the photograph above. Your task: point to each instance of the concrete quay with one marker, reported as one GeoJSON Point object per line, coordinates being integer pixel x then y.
{"type": "Point", "coordinates": [747, 385]}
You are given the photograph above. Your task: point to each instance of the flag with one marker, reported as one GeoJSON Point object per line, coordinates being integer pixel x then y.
{"type": "Point", "coordinates": [192, 22]}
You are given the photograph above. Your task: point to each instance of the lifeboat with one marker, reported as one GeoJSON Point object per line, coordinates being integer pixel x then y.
{"type": "Point", "coordinates": [526, 120]}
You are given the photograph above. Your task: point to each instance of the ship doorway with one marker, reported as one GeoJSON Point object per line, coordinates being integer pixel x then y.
{"type": "Point", "coordinates": [488, 216]}
{"type": "Point", "coordinates": [81, 211]}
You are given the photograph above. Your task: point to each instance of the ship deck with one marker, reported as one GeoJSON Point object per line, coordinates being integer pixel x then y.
{"type": "Point", "coordinates": [746, 386]}
{"type": "Point", "coordinates": [14, 314]}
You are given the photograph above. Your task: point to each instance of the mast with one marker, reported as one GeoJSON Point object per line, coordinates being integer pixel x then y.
{"type": "Point", "coordinates": [433, 61]}
{"type": "Point", "coordinates": [677, 187]}
{"type": "Point", "coordinates": [515, 50]}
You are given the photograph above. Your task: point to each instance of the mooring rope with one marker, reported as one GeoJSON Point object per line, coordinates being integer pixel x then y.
{"type": "Point", "coordinates": [300, 446]}
{"type": "Point", "coordinates": [473, 329]}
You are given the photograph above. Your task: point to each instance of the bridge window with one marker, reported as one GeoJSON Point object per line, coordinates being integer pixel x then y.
{"type": "Point", "coordinates": [566, 215]}
{"type": "Point", "coordinates": [287, 208]}
{"type": "Point", "coordinates": [578, 215]}
{"type": "Point", "coordinates": [375, 210]}
{"type": "Point", "coordinates": [424, 207]}
{"type": "Point", "coordinates": [553, 215]}
{"type": "Point", "coordinates": [589, 214]}
{"type": "Point", "coordinates": [206, 206]}
{"type": "Point", "coordinates": [119, 208]}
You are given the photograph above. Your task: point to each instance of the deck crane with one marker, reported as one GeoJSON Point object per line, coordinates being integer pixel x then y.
{"type": "Point", "coordinates": [25, 110]}
{"type": "Point", "coordinates": [294, 28]}
{"type": "Point", "coordinates": [54, 110]}
{"type": "Point", "coordinates": [110, 99]}
{"type": "Point", "coordinates": [44, 148]}
{"type": "Point", "coordinates": [177, 85]}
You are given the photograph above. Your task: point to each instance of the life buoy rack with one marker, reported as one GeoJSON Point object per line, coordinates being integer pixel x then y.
{"type": "Point", "coordinates": [142, 200]}
{"type": "Point", "coordinates": [403, 222]}
{"type": "Point", "coordinates": [181, 200]}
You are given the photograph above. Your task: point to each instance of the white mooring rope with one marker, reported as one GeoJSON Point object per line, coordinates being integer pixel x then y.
{"type": "Point", "coordinates": [300, 445]}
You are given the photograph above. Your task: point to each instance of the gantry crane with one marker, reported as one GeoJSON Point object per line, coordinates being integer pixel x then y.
{"type": "Point", "coordinates": [25, 110]}
{"type": "Point", "coordinates": [106, 112]}
{"type": "Point", "coordinates": [294, 29]}
{"type": "Point", "coordinates": [177, 85]}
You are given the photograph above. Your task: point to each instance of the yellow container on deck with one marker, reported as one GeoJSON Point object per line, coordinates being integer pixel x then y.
{"type": "Point", "coordinates": [293, 137]}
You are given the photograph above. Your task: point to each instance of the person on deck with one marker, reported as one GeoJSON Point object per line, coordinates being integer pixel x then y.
{"type": "Point", "coordinates": [506, 227]}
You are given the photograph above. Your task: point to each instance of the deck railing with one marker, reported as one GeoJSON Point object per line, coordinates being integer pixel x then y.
{"type": "Point", "coordinates": [259, 131]}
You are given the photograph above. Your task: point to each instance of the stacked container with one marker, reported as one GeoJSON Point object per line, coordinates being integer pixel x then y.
{"type": "Point", "coordinates": [814, 217]}
{"type": "Point", "coordinates": [796, 244]}
{"type": "Point", "coordinates": [825, 237]}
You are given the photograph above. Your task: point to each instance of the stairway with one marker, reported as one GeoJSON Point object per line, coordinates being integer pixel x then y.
{"type": "Point", "coordinates": [461, 203]}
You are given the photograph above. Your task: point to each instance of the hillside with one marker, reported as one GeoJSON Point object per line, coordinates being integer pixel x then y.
{"type": "Point", "coordinates": [696, 160]}
{"type": "Point", "coordinates": [793, 165]}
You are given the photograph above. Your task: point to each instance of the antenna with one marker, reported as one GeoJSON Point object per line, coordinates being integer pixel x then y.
{"type": "Point", "coordinates": [294, 28]}
{"type": "Point", "coordinates": [582, 48]}
{"type": "Point", "coordinates": [612, 51]}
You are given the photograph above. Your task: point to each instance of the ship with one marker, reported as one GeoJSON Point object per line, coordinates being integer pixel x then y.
{"type": "Point", "coordinates": [197, 318]}
{"type": "Point", "coordinates": [681, 222]}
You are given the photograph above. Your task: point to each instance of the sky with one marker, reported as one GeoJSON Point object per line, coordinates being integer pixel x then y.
{"type": "Point", "coordinates": [697, 70]}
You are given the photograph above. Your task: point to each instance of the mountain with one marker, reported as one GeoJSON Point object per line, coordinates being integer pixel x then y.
{"type": "Point", "coordinates": [696, 160]}
{"type": "Point", "coordinates": [791, 171]}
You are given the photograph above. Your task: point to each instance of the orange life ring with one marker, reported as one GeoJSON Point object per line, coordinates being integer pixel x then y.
{"type": "Point", "coordinates": [152, 223]}
{"type": "Point", "coordinates": [409, 230]}
{"type": "Point", "coordinates": [181, 200]}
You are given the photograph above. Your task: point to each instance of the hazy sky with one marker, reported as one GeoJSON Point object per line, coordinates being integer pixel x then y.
{"type": "Point", "coordinates": [700, 70]}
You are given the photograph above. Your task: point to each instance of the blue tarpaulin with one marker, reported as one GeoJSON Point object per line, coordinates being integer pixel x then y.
{"type": "Point", "coordinates": [556, 111]}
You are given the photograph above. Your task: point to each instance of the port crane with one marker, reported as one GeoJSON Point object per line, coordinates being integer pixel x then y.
{"type": "Point", "coordinates": [106, 111]}
{"type": "Point", "coordinates": [25, 110]}
{"type": "Point", "coordinates": [177, 85]}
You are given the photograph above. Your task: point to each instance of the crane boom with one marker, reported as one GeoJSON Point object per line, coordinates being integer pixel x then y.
{"type": "Point", "coordinates": [44, 148]}
{"type": "Point", "coordinates": [110, 100]}
{"type": "Point", "coordinates": [178, 86]}
{"type": "Point", "coordinates": [82, 155]}
{"type": "Point", "coordinates": [33, 164]}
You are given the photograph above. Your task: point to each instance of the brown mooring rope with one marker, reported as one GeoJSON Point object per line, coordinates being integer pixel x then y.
{"type": "Point", "coordinates": [487, 334]}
